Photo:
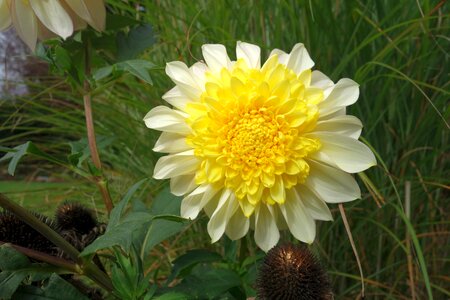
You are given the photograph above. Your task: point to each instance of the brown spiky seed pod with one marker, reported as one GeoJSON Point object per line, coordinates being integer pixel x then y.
{"type": "Point", "coordinates": [15, 231]}
{"type": "Point", "coordinates": [291, 272]}
{"type": "Point", "coordinates": [74, 216]}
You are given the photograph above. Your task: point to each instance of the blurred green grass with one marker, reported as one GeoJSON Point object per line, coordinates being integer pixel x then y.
{"type": "Point", "coordinates": [396, 50]}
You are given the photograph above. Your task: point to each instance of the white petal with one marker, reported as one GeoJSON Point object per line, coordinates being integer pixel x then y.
{"type": "Point", "coordinates": [283, 57]}
{"type": "Point", "coordinates": [228, 204]}
{"type": "Point", "coordinates": [216, 57]}
{"type": "Point", "coordinates": [198, 71]}
{"type": "Point", "coordinates": [330, 184]}
{"type": "Point", "coordinates": [53, 16]}
{"type": "Point", "coordinates": [238, 226]}
{"type": "Point", "coordinates": [175, 165]}
{"type": "Point", "coordinates": [348, 154]}
{"type": "Point", "coordinates": [196, 201]}
{"type": "Point", "coordinates": [266, 230]}
{"type": "Point", "coordinates": [184, 78]}
{"type": "Point", "coordinates": [24, 22]}
{"type": "Point", "coordinates": [299, 221]}
{"type": "Point", "coordinates": [299, 59]}
{"type": "Point", "coordinates": [250, 53]}
{"type": "Point", "coordinates": [344, 93]}
{"type": "Point", "coordinates": [163, 118]}
{"type": "Point", "coordinates": [176, 98]}
{"type": "Point", "coordinates": [170, 142]}
{"type": "Point", "coordinates": [92, 11]}
{"type": "Point", "coordinates": [181, 185]}
{"type": "Point", "coordinates": [314, 205]}
{"type": "Point", "coordinates": [320, 80]}
{"type": "Point", "coordinates": [346, 125]}
{"type": "Point", "coordinates": [5, 15]}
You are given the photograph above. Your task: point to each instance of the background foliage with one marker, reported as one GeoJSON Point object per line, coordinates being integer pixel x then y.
{"type": "Point", "coordinates": [396, 50]}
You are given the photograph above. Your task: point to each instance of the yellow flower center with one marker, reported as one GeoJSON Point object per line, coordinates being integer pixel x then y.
{"type": "Point", "coordinates": [248, 131]}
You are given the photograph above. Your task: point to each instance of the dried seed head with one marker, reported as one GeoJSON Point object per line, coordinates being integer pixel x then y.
{"type": "Point", "coordinates": [74, 216]}
{"type": "Point", "coordinates": [15, 231]}
{"type": "Point", "coordinates": [291, 272]}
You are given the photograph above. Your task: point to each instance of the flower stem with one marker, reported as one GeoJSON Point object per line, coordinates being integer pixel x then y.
{"type": "Point", "coordinates": [101, 181]}
{"type": "Point", "coordinates": [86, 268]}
{"type": "Point", "coordinates": [41, 256]}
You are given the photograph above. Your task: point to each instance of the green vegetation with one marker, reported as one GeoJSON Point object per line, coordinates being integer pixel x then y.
{"type": "Point", "coordinates": [396, 50]}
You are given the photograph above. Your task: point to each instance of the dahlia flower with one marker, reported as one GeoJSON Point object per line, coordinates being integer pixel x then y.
{"type": "Point", "coordinates": [43, 19]}
{"type": "Point", "coordinates": [261, 147]}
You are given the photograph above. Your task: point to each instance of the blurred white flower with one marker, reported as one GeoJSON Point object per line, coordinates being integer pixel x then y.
{"type": "Point", "coordinates": [42, 19]}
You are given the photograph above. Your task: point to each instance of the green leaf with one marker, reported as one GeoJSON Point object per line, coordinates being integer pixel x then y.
{"type": "Point", "coordinates": [115, 21]}
{"type": "Point", "coordinates": [172, 296]}
{"type": "Point", "coordinates": [57, 288]}
{"type": "Point", "coordinates": [11, 260]}
{"type": "Point", "coordinates": [102, 72]}
{"type": "Point", "coordinates": [9, 282]}
{"type": "Point", "coordinates": [136, 41]}
{"type": "Point", "coordinates": [80, 151]}
{"type": "Point", "coordinates": [20, 151]}
{"type": "Point", "coordinates": [138, 68]}
{"type": "Point", "coordinates": [208, 283]}
{"type": "Point", "coordinates": [119, 209]}
{"type": "Point", "coordinates": [166, 208]}
{"type": "Point", "coordinates": [190, 259]}
{"type": "Point", "coordinates": [62, 59]}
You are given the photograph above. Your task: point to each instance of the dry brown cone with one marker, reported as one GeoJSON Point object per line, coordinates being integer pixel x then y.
{"type": "Point", "coordinates": [292, 272]}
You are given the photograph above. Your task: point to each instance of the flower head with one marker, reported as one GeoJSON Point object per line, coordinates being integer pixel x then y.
{"type": "Point", "coordinates": [258, 146]}
{"type": "Point", "coordinates": [43, 19]}
{"type": "Point", "coordinates": [292, 272]}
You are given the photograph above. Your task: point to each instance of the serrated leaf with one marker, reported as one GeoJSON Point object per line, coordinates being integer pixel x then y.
{"type": "Point", "coordinates": [137, 40]}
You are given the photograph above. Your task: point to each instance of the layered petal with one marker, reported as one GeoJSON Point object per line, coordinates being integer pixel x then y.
{"type": "Point", "coordinates": [348, 154]}
{"type": "Point", "coordinates": [5, 17]}
{"type": "Point", "coordinates": [237, 226]}
{"type": "Point", "coordinates": [345, 92]}
{"type": "Point", "coordinates": [345, 125]}
{"type": "Point", "coordinates": [183, 77]}
{"type": "Point", "coordinates": [91, 11]}
{"type": "Point", "coordinates": [299, 221]}
{"type": "Point", "coordinates": [196, 201]}
{"type": "Point", "coordinates": [266, 230]}
{"type": "Point", "coordinates": [315, 206]}
{"type": "Point", "coordinates": [330, 184]}
{"type": "Point", "coordinates": [53, 16]}
{"type": "Point", "coordinates": [24, 22]}
{"type": "Point", "coordinates": [175, 165]}
{"type": "Point", "coordinates": [226, 208]}
{"type": "Point", "coordinates": [251, 54]}
{"type": "Point", "coordinates": [216, 57]}
{"type": "Point", "coordinates": [165, 119]}
{"type": "Point", "coordinates": [170, 142]}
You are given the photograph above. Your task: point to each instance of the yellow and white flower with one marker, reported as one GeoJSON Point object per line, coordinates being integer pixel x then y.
{"type": "Point", "coordinates": [43, 19]}
{"type": "Point", "coordinates": [258, 147]}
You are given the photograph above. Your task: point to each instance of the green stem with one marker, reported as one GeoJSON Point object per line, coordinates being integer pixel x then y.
{"type": "Point", "coordinates": [101, 182]}
{"type": "Point", "coordinates": [41, 256]}
{"type": "Point", "coordinates": [86, 268]}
